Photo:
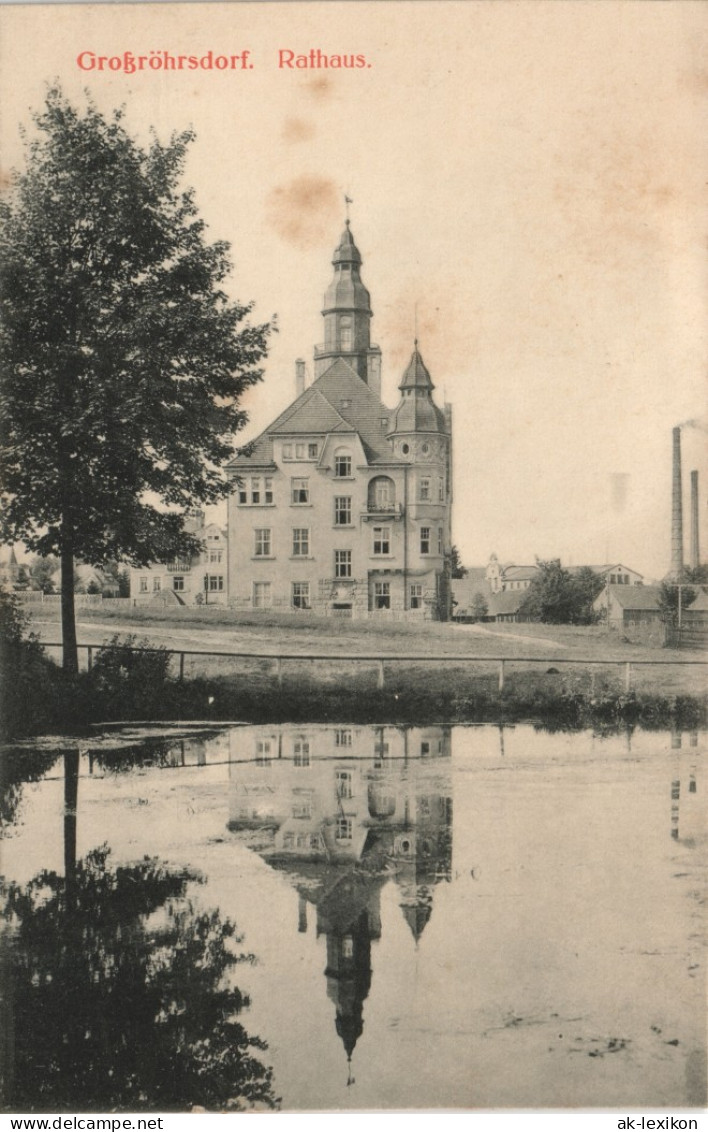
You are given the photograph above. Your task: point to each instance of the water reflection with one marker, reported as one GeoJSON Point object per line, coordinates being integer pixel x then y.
{"type": "Point", "coordinates": [344, 810]}
{"type": "Point", "coordinates": [544, 950]}
{"type": "Point", "coordinates": [116, 989]}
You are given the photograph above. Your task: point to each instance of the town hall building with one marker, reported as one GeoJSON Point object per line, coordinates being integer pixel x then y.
{"type": "Point", "coordinates": [343, 505]}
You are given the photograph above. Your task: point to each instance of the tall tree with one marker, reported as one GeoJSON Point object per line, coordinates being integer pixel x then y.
{"type": "Point", "coordinates": [123, 358]}
{"type": "Point", "coordinates": [559, 597]}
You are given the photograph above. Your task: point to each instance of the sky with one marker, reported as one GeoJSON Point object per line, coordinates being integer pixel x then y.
{"type": "Point", "coordinates": [528, 186]}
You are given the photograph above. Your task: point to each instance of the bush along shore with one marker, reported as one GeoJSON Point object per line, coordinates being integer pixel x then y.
{"type": "Point", "coordinates": [124, 684]}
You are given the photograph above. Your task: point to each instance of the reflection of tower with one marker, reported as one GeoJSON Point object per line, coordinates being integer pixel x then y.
{"type": "Point", "coordinates": [359, 807]}
{"type": "Point", "coordinates": [348, 914]}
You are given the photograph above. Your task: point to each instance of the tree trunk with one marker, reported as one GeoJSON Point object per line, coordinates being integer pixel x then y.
{"type": "Point", "coordinates": [70, 653]}
{"type": "Point", "coordinates": [71, 794]}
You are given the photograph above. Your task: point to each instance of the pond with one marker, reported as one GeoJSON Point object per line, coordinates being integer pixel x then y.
{"type": "Point", "coordinates": [441, 917]}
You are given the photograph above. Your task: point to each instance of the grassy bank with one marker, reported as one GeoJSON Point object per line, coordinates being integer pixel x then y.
{"type": "Point", "coordinates": [139, 686]}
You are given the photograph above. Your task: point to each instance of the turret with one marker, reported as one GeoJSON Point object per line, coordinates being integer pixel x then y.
{"type": "Point", "coordinates": [347, 318]}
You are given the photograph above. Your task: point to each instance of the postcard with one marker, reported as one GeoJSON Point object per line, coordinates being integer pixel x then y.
{"type": "Point", "coordinates": [465, 242]}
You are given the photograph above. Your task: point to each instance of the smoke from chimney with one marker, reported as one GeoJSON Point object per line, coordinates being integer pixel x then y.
{"type": "Point", "coordinates": [676, 507]}
{"type": "Point", "coordinates": [695, 548]}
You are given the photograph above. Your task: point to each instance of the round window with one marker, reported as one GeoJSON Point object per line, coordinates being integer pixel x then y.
{"type": "Point", "coordinates": [405, 449]}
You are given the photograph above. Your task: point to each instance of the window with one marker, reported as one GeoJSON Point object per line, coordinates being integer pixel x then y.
{"type": "Point", "coordinates": [215, 555]}
{"type": "Point", "coordinates": [300, 491]}
{"type": "Point", "coordinates": [215, 583]}
{"type": "Point", "coordinates": [347, 947]}
{"type": "Point", "coordinates": [343, 830]}
{"type": "Point", "coordinates": [345, 333]}
{"type": "Point", "coordinates": [381, 494]}
{"type": "Point", "coordinates": [263, 752]}
{"type": "Point", "coordinates": [301, 595]}
{"type": "Point", "coordinates": [342, 510]}
{"type": "Point", "coordinates": [261, 595]}
{"type": "Point", "coordinates": [262, 548]}
{"type": "Point", "coordinates": [287, 451]}
{"type": "Point", "coordinates": [342, 467]}
{"type": "Point", "coordinates": [299, 451]}
{"type": "Point", "coordinates": [441, 489]}
{"type": "Point", "coordinates": [301, 752]}
{"type": "Point", "coordinates": [268, 489]}
{"type": "Point", "coordinates": [425, 540]}
{"type": "Point", "coordinates": [242, 493]}
{"type": "Point", "coordinates": [178, 584]}
{"type": "Point", "coordinates": [302, 810]}
{"type": "Point", "coordinates": [424, 749]}
{"type": "Point", "coordinates": [424, 488]}
{"type": "Point", "coordinates": [342, 563]}
{"type": "Point", "coordinates": [312, 451]}
{"type": "Point", "coordinates": [301, 542]}
{"type": "Point", "coordinates": [440, 540]}
{"type": "Point", "coordinates": [382, 540]}
{"type": "Point", "coordinates": [343, 738]}
{"type": "Point", "coordinates": [416, 595]}
{"type": "Point", "coordinates": [255, 489]}
{"type": "Point", "coordinates": [382, 595]}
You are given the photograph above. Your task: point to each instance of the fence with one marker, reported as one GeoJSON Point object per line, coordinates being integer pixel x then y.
{"type": "Point", "coordinates": [502, 667]}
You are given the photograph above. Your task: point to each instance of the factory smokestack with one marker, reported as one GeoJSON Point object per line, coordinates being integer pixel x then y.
{"type": "Point", "coordinates": [676, 508]}
{"type": "Point", "coordinates": [695, 548]}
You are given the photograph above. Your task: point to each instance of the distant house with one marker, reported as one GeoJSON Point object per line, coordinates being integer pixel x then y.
{"type": "Point", "coordinates": [502, 577]}
{"type": "Point", "coordinates": [502, 605]}
{"type": "Point", "coordinates": [613, 575]}
{"type": "Point", "coordinates": [624, 606]}
{"type": "Point", "coordinates": [9, 567]}
{"type": "Point", "coordinates": [198, 580]}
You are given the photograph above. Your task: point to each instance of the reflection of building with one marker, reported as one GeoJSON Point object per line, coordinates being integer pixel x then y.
{"type": "Point", "coordinates": [343, 505]}
{"type": "Point", "coordinates": [342, 810]}
{"type": "Point", "coordinates": [687, 809]}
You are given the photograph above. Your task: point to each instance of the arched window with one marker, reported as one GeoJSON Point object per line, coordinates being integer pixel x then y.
{"type": "Point", "coordinates": [342, 463]}
{"type": "Point", "coordinates": [345, 334]}
{"type": "Point", "coordinates": [382, 493]}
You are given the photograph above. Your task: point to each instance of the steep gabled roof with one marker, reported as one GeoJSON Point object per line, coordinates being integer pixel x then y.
{"type": "Point", "coordinates": [312, 412]}
{"type": "Point", "coordinates": [339, 401]}
{"type": "Point", "coordinates": [359, 406]}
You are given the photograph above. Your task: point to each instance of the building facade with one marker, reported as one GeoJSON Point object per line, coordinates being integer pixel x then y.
{"type": "Point", "coordinates": [199, 580]}
{"type": "Point", "coordinates": [344, 505]}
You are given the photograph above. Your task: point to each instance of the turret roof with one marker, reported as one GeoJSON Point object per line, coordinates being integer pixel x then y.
{"type": "Point", "coordinates": [346, 250]}
{"type": "Point", "coordinates": [416, 375]}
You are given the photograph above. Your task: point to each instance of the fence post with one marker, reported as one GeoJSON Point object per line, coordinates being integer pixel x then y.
{"type": "Point", "coordinates": [501, 676]}
{"type": "Point", "coordinates": [628, 676]}
{"type": "Point", "coordinates": [89, 662]}
{"type": "Point", "coordinates": [380, 678]}
{"type": "Point", "coordinates": [181, 667]}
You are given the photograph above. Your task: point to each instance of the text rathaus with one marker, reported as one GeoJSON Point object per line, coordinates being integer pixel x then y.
{"type": "Point", "coordinates": [343, 506]}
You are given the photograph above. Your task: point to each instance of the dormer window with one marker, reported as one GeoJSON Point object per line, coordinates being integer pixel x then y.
{"type": "Point", "coordinates": [342, 465]}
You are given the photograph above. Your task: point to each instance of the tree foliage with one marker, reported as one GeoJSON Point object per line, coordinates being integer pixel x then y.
{"type": "Point", "coordinates": [123, 998]}
{"type": "Point", "coordinates": [123, 357]}
{"type": "Point", "coordinates": [559, 597]}
{"type": "Point", "coordinates": [457, 570]}
{"type": "Point", "coordinates": [669, 596]}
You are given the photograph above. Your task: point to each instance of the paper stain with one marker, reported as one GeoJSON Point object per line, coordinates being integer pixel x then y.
{"type": "Point", "coordinates": [297, 130]}
{"type": "Point", "coordinates": [305, 211]}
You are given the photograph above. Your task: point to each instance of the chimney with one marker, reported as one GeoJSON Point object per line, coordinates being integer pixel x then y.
{"type": "Point", "coordinates": [676, 509]}
{"type": "Point", "coordinates": [695, 547]}
{"type": "Point", "coordinates": [299, 377]}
